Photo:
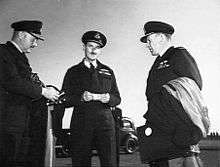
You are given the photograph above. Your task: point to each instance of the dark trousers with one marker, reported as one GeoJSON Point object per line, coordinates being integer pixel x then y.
{"type": "Point", "coordinates": [99, 133]}
{"type": "Point", "coordinates": [37, 133]}
{"type": "Point", "coordinates": [15, 150]}
{"type": "Point", "coordinates": [104, 144]}
{"type": "Point", "coordinates": [36, 153]}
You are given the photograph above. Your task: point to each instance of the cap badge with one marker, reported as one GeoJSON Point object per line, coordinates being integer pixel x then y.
{"type": "Point", "coordinates": [97, 36]}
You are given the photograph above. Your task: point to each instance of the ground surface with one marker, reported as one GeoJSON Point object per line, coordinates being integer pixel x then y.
{"type": "Point", "coordinates": [126, 160]}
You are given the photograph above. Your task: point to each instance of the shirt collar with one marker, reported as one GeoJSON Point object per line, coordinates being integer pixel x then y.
{"type": "Point", "coordinates": [16, 45]}
{"type": "Point", "coordinates": [87, 63]}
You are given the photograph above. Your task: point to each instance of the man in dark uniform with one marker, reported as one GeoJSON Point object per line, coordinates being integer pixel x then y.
{"type": "Point", "coordinates": [19, 87]}
{"type": "Point", "coordinates": [91, 89]}
{"type": "Point", "coordinates": [172, 135]}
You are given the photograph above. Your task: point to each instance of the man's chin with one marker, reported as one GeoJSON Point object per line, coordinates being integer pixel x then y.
{"type": "Point", "coordinates": [154, 54]}
{"type": "Point", "coordinates": [92, 59]}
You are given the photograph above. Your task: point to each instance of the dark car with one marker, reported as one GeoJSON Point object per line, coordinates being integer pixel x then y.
{"type": "Point", "coordinates": [127, 138]}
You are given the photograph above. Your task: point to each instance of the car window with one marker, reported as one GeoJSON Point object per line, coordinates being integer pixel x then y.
{"type": "Point", "coordinates": [126, 124]}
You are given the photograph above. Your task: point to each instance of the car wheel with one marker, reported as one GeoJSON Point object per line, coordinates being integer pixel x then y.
{"type": "Point", "coordinates": [130, 145]}
{"type": "Point", "coordinates": [62, 152]}
{"type": "Point", "coordinates": [66, 151]}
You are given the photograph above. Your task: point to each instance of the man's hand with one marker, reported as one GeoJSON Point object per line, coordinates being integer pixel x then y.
{"type": "Point", "coordinates": [104, 98]}
{"type": "Point", "coordinates": [87, 96]}
{"type": "Point", "coordinates": [50, 93]}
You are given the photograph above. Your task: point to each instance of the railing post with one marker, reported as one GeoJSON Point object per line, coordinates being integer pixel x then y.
{"type": "Point", "coordinates": [50, 143]}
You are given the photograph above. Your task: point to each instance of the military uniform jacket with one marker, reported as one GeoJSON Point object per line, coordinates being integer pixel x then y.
{"type": "Point", "coordinates": [17, 88]}
{"type": "Point", "coordinates": [79, 78]}
{"type": "Point", "coordinates": [172, 130]}
{"type": "Point", "coordinates": [176, 62]}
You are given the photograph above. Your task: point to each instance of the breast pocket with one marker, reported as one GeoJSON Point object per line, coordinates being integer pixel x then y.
{"type": "Point", "coordinates": [106, 81]}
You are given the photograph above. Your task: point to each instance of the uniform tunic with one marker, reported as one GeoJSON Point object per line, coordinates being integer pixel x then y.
{"type": "Point", "coordinates": [173, 131]}
{"type": "Point", "coordinates": [17, 91]}
{"type": "Point", "coordinates": [92, 122]}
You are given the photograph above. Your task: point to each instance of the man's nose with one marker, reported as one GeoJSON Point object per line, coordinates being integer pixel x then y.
{"type": "Point", "coordinates": [94, 49]}
{"type": "Point", "coordinates": [148, 44]}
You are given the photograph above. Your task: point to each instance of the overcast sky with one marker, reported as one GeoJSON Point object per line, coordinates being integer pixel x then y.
{"type": "Point", "coordinates": [197, 27]}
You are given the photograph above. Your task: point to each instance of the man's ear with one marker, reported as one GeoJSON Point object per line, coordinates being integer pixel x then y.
{"type": "Point", "coordinates": [21, 34]}
{"type": "Point", "coordinates": [84, 47]}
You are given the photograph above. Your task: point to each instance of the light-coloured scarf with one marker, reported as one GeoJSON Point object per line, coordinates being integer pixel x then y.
{"type": "Point", "coordinates": [189, 95]}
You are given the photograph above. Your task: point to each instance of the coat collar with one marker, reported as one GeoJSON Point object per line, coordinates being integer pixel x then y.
{"type": "Point", "coordinates": [168, 52]}
{"type": "Point", "coordinates": [16, 53]}
{"type": "Point", "coordinates": [98, 66]}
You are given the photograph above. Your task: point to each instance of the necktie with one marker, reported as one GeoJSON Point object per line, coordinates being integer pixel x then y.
{"type": "Point", "coordinates": [92, 67]}
{"type": "Point", "coordinates": [94, 84]}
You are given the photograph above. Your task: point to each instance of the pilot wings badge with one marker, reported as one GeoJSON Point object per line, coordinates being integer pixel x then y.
{"type": "Point", "coordinates": [163, 64]}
